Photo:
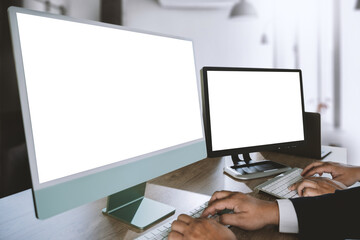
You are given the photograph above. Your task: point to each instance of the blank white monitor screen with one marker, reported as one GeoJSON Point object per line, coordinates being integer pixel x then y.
{"type": "Point", "coordinates": [100, 95]}
{"type": "Point", "coordinates": [254, 108]}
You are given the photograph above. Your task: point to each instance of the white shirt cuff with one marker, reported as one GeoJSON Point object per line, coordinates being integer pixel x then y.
{"type": "Point", "coordinates": [288, 222]}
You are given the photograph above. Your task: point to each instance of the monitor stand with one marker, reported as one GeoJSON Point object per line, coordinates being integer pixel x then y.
{"type": "Point", "coordinates": [131, 207]}
{"type": "Point", "coordinates": [246, 168]}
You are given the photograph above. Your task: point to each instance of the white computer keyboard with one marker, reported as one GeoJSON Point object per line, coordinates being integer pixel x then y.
{"type": "Point", "coordinates": [163, 231]}
{"type": "Point", "coordinates": [278, 186]}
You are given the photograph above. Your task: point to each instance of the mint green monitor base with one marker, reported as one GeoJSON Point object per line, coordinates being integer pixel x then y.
{"type": "Point", "coordinates": [131, 207]}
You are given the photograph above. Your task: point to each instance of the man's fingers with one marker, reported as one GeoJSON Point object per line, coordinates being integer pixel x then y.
{"type": "Point", "coordinates": [219, 195]}
{"type": "Point", "coordinates": [297, 184]}
{"type": "Point", "coordinates": [178, 226]}
{"type": "Point", "coordinates": [319, 170]}
{"type": "Point", "coordinates": [215, 197]}
{"type": "Point", "coordinates": [218, 205]}
{"type": "Point", "coordinates": [306, 187]}
{"type": "Point", "coordinates": [310, 166]}
{"type": "Point", "coordinates": [294, 186]}
{"type": "Point", "coordinates": [185, 218]}
{"type": "Point", "coordinates": [175, 236]}
{"type": "Point", "coordinates": [309, 192]}
{"type": "Point", "coordinates": [229, 219]}
{"type": "Point", "coordinates": [305, 184]}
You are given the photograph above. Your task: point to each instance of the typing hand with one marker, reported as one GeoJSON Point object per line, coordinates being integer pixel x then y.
{"type": "Point", "coordinates": [315, 186]}
{"type": "Point", "coordinates": [249, 213]}
{"type": "Point", "coordinates": [345, 174]}
{"type": "Point", "coordinates": [186, 227]}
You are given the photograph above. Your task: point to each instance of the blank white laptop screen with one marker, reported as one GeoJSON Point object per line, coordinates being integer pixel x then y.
{"type": "Point", "coordinates": [86, 103]}
{"type": "Point", "coordinates": [254, 108]}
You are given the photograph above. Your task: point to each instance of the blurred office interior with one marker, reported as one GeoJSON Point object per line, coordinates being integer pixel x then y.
{"type": "Point", "coordinates": [320, 37]}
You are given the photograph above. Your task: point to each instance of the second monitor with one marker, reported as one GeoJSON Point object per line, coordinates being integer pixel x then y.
{"type": "Point", "coordinates": [251, 110]}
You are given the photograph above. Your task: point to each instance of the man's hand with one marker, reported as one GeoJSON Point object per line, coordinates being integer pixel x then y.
{"type": "Point", "coordinates": [186, 227]}
{"type": "Point", "coordinates": [249, 213]}
{"type": "Point", "coordinates": [315, 186]}
{"type": "Point", "coordinates": [345, 174]}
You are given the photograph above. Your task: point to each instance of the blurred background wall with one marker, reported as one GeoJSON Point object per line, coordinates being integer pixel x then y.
{"type": "Point", "coordinates": [321, 37]}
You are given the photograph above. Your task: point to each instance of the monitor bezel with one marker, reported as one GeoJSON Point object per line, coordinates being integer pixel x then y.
{"type": "Point", "coordinates": [250, 149]}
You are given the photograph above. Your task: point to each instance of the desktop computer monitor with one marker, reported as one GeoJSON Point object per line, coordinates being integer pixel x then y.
{"type": "Point", "coordinates": [251, 110]}
{"type": "Point", "coordinates": [105, 109]}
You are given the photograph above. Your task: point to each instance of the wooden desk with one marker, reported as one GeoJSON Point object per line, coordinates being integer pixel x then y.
{"type": "Point", "coordinates": [184, 189]}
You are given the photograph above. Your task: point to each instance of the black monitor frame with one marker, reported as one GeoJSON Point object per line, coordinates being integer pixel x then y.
{"type": "Point", "coordinates": [234, 152]}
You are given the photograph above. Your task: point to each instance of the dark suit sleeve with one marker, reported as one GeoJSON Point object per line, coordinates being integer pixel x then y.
{"type": "Point", "coordinates": [330, 216]}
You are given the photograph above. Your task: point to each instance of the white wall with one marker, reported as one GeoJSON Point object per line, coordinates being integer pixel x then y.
{"type": "Point", "coordinates": [304, 31]}
{"type": "Point", "coordinates": [218, 40]}
{"type": "Point", "coordinates": [350, 74]}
